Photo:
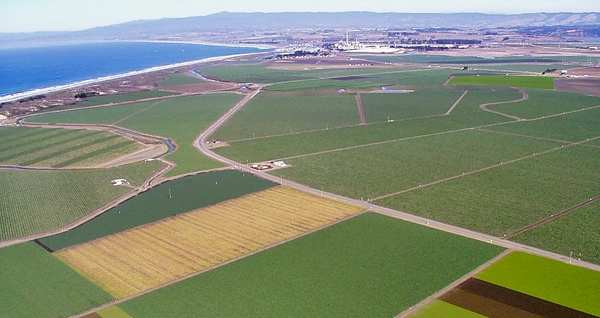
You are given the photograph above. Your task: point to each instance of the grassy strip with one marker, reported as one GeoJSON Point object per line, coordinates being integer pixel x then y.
{"type": "Point", "coordinates": [445, 59]}
{"type": "Point", "coordinates": [186, 194]}
{"type": "Point", "coordinates": [377, 170]}
{"type": "Point", "coordinates": [575, 232]}
{"type": "Point", "coordinates": [561, 283]}
{"type": "Point", "coordinates": [503, 80]}
{"type": "Point", "coordinates": [306, 143]}
{"type": "Point", "coordinates": [368, 266]}
{"type": "Point", "coordinates": [39, 201]}
{"type": "Point", "coordinates": [36, 284]}
{"type": "Point", "coordinates": [509, 197]}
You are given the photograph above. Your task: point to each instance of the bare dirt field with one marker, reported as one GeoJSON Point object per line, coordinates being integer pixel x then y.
{"type": "Point", "coordinates": [311, 63]}
{"type": "Point", "coordinates": [589, 85]}
{"type": "Point", "coordinates": [205, 87]}
{"type": "Point", "coordinates": [495, 301]}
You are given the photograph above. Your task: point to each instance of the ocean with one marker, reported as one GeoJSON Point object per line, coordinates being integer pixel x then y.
{"type": "Point", "coordinates": [26, 69]}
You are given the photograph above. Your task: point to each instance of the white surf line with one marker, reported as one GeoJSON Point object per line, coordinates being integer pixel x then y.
{"type": "Point", "coordinates": [41, 91]}
{"type": "Point", "coordinates": [456, 103]}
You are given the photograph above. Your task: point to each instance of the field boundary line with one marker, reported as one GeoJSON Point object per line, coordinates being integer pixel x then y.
{"type": "Point", "coordinates": [122, 300]}
{"type": "Point", "coordinates": [552, 217]}
{"type": "Point", "coordinates": [525, 97]}
{"type": "Point", "coordinates": [464, 174]}
{"type": "Point", "coordinates": [361, 109]}
{"type": "Point", "coordinates": [332, 128]}
{"type": "Point", "coordinates": [564, 113]}
{"type": "Point", "coordinates": [138, 112]}
{"type": "Point", "coordinates": [457, 282]}
{"type": "Point", "coordinates": [525, 136]}
{"type": "Point", "coordinates": [457, 102]}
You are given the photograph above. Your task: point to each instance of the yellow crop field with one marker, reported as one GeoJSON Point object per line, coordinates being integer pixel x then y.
{"type": "Point", "coordinates": [139, 259]}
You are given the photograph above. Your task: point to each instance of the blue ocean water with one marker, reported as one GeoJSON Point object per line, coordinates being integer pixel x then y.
{"type": "Point", "coordinates": [25, 69]}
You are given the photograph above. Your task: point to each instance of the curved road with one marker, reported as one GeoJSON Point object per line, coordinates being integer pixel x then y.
{"type": "Point", "coordinates": [205, 149]}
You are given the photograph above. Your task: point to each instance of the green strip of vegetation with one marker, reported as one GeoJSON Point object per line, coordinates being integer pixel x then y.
{"type": "Point", "coordinates": [558, 282]}
{"type": "Point", "coordinates": [368, 266]}
{"type": "Point", "coordinates": [36, 284]}
{"type": "Point", "coordinates": [168, 199]}
{"type": "Point", "coordinates": [78, 147]}
{"type": "Point", "coordinates": [505, 80]}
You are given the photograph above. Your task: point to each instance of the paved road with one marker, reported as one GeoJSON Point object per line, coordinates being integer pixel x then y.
{"type": "Point", "coordinates": [206, 150]}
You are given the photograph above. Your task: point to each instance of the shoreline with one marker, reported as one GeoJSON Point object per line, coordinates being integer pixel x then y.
{"type": "Point", "coordinates": [40, 91]}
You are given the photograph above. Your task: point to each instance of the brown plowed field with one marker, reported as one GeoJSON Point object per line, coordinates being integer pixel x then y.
{"type": "Point", "coordinates": [203, 87]}
{"type": "Point", "coordinates": [587, 85]}
{"type": "Point", "coordinates": [496, 301]}
{"type": "Point", "coordinates": [140, 259]}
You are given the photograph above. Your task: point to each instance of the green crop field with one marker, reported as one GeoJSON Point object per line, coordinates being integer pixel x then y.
{"type": "Point", "coordinates": [187, 194]}
{"type": "Point", "coordinates": [273, 113]}
{"type": "Point", "coordinates": [180, 119]}
{"type": "Point", "coordinates": [368, 266]}
{"type": "Point", "coordinates": [504, 80]}
{"type": "Point", "coordinates": [558, 282]}
{"type": "Point", "coordinates": [573, 127]}
{"type": "Point", "coordinates": [535, 68]}
{"type": "Point", "coordinates": [36, 284]}
{"type": "Point", "coordinates": [380, 107]}
{"type": "Point", "coordinates": [511, 196]}
{"type": "Point", "coordinates": [438, 308]}
{"type": "Point", "coordinates": [544, 103]}
{"type": "Point", "coordinates": [381, 169]}
{"type": "Point", "coordinates": [307, 143]}
{"type": "Point", "coordinates": [575, 232]}
{"type": "Point", "coordinates": [41, 147]}
{"type": "Point", "coordinates": [179, 79]}
{"type": "Point", "coordinates": [38, 201]}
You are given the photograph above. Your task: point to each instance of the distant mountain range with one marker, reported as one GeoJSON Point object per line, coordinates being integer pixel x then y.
{"type": "Point", "coordinates": [253, 22]}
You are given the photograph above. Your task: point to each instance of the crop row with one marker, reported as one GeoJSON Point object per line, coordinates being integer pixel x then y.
{"type": "Point", "coordinates": [136, 260]}
{"type": "Point", "coordinates": [61, 147]}
{"type": "Point", "coordinates": [39, 201]}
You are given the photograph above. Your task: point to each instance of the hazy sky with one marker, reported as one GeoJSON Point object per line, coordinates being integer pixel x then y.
{"type": "Point", "coordinates": [70, 15]}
